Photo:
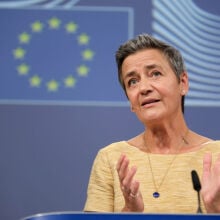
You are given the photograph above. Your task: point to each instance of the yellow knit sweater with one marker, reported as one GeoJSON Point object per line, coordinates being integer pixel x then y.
{"type": "Point", "coordinates": [175, 186]}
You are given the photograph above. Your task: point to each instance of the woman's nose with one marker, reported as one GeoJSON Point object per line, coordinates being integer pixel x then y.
{"type": "Point", "coordinates": [145, 86]}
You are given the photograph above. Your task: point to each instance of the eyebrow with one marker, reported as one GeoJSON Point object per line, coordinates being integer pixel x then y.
{"type": "Point", "coordinates": [152, 66]}
{"type": "Point", "coordinates": [147, 67]}
{"type": "Point", "coordinates": [129, 75]}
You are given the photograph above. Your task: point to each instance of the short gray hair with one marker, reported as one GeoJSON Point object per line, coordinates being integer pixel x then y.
{"type": "Point", "coordinates": [146, 41]}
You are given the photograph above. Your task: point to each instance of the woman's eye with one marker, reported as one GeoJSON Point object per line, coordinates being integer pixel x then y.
{"type": "Point", "coordinates": [132, 82]}
{"type": "Point", "coordinates": [156, 74]}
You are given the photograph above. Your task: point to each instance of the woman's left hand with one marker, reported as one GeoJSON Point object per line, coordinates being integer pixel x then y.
{"type": "Point", "coordinates": [211, 184]}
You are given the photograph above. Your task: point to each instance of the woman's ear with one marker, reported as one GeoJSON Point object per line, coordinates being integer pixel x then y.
{"type": "Point", "coordinates": [184, 83]}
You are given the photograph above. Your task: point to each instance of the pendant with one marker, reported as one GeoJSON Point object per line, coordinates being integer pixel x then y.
{"type": "Point", "coordinates": [156, 194]}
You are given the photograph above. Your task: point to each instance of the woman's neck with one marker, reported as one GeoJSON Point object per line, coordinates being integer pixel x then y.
{"type": "Point", "coordinates": [165, 140]}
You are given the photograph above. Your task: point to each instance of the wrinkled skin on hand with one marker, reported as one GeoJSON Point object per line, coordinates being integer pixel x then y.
{"type": "Point", "coordinates": [211, 184]}
{"type": "Point", "coordinates": [129, 186]}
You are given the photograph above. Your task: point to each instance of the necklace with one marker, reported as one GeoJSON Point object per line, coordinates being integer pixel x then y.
{"type": "Point", "coordinates": [156, 194]}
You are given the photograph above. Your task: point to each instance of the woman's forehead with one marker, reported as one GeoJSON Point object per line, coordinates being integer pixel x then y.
{"type": "Point", "coordinates": [144, 58]}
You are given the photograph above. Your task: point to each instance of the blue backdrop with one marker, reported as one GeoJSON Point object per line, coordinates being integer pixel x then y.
{"type": "Point", "coordinates": [60, 101]}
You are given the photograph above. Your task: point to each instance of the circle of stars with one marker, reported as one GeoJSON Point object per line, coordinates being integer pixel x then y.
{"type": "Point", "coordinates": [52, 85]}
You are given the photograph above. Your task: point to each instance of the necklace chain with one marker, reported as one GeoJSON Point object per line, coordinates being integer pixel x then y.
{"type": "Point", "coordinates": [156, 194]}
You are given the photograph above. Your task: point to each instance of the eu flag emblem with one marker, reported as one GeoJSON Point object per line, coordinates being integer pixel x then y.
{"type": "Point", "coordinates": [61, 55]}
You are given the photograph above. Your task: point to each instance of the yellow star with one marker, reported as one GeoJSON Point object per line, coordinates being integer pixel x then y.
{"type": "Point", "coordinates": [23, 69]}
{"type": "Point", "coordinates": [71, 27]}
{"type": "Point", "coordinates": [88, 54]}
{"type": "Point", "coordinates": [69, 81]}
{"type": "Point", "coordinates": [24, 38]}
{"type": "Point", "coordinates": [52, 85]}
{"type": "Point", "coordinates": [83, 39]}
{"type": "Point", "coordinates": [54, 23]}
{"type": "Point", "coordinates": [37, 26]}
{"type": "Point", "coordinates": [82, 70]}
{"type": "Point", "coordinates": [35, 81]}
{"type": "Point", "coordinates": [19, 53]}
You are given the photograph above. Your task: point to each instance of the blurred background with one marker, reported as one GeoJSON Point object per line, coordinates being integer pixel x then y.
{"type": "Point", "coordinates": [60, 100]}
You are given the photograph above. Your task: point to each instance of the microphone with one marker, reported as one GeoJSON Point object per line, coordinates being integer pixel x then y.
{"type": "Point", "coordinates": [197, 188]}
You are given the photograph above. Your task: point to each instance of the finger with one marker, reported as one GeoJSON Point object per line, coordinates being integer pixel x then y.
{"type": "Point", "coordinates": [218, 160]}
{"type": "Point", "coordinates": [120, 160]}
{"type": "Point", "coordinates": [216, 168]}
{"type": "Point", "coordinates": [207, 163]}
{"type": "Point", "coordinates": [127, 181]}
{"type": "Point", "coordinates": [122, 163]}
{"type": "Point", "coordinates": [122, 167]}
{"type": "Point", "coordinates": [134, 189]}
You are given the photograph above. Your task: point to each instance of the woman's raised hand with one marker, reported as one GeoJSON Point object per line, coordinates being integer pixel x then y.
{"type": "Point", "coordinates": [211, 184]}
{"type": "Point", "coordinates": [129, 186]}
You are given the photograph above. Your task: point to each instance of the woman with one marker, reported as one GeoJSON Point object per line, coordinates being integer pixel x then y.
{"type": "Point", "coordinates": [152, 171]}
